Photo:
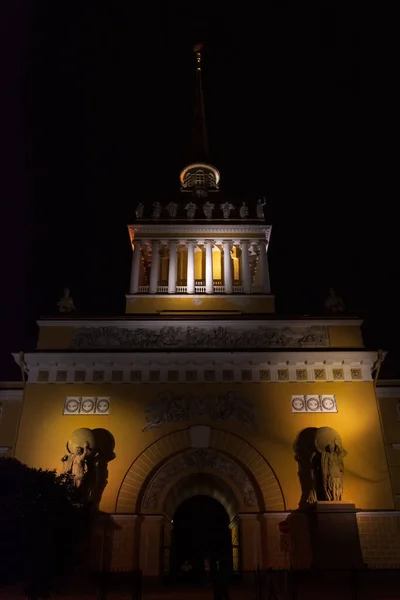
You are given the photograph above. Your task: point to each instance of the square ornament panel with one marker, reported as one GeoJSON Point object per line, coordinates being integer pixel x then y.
{"type": "Point", "coordinates": [87, 405]}
{"type": "Point", "coordinates": [325, 403]}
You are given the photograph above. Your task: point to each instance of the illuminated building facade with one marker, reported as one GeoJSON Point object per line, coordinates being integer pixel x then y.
{"type": "Point", "coordinates": [200, 389]}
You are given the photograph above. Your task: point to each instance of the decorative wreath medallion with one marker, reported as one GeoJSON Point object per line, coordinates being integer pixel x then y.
{"type": "Point", "coordinates": [103, 405]}
{"type": "Point", "coordinates": [72, 405]}
{"type": "Point", "coordinates": [312, 404]}
{"type": "Point", "coordinates": [328, 403]}
{"type": "Point", "coordinates": [87, 405]}
{"type": "Point", "coordinates": [298, 403]}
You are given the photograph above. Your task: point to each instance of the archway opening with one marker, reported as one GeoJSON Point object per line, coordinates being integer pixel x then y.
{"type": "Point", "coordinates": [200, 537]}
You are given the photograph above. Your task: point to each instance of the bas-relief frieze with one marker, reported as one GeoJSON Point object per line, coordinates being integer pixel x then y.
{"type": "Point", "coordinates": [193, 337]}
{"type": "Point", "coordinates": [170, 407]}
{"type": "Point", "coordinates": [200, 458]}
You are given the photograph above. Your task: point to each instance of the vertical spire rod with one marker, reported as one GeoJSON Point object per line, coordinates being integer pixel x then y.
{"type": "Point", "coordinates": [200, 141]}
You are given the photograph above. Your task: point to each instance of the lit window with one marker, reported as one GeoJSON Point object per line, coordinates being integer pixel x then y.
{"type": "Point", "coordinates": [200, 179]}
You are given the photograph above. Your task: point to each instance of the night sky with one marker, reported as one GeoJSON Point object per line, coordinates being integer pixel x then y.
{"type": "Point", "coordinates": [96, 104]}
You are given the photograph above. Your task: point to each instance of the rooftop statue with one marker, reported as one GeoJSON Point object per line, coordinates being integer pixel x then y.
{"type": "Point", "coordinates": [244, 211]}
{"type": "Point", "coordinates": [226, 208]}
{"type": "Point", "coordinates": [172, 209]}
{"type": "Point", "coordinates": [139, 210]}
{"type": "Point", "coordinates": [156, 210]}
{"type": "Point", "coordinates": [191, 208]}
{"type": "Point", "coordinates": [334, 303]}
{"type": "Point", "coordinates": [208, 207]}
{"type": "Point", "coordinates": [261, 202]}
{"type": "Point", "coordinates": [66, 304]}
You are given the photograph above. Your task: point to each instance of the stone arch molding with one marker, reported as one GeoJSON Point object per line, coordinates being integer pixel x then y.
{"type": "Point", "coordinates": [170, 407]}
{"type": "Point", "coordinates": [200, 484]}
{"type": "Point", "coordinates": [199, 459]}
{"type": "Point", "coordinates": [215, 450]}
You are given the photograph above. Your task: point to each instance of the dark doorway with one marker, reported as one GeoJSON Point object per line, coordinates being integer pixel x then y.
{"type": "Point", "coordinates": [200, 535]}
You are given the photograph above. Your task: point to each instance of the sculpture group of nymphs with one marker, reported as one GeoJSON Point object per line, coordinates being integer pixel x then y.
{"type": "Point", "coordinates": [193, 210]}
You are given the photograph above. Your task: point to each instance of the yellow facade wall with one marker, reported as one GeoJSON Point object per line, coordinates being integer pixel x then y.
{"type": "Point", "coordinates": [146, 305]}
{"type": "Point", "coordinates": [44, 431]}
{"type": "Point", "coordinates": [54, 338]}
{"type": "Point", "coordinates": [345, 336]}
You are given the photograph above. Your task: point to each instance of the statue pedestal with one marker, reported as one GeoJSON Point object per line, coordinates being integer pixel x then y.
{"type": "Point", "coordinates": [335, 542]}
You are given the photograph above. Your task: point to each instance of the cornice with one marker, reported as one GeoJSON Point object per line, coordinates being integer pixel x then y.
{"type": "Point", "coordinates": [302, 366]}
{"type": "Point", "coordinates": [155, 323]}
{"type": "Point", "coordinates": [182, 228]}
{"type": "Point", "coordinates": [212, 357]}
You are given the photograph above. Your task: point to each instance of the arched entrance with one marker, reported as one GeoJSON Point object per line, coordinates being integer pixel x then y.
{"type": "Point", "coordinates": [200, 536]}
{"type": "Point", "coordinates": [201, 461]}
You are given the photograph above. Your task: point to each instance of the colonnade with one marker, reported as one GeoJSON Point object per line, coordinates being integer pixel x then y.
{"type": "Point", "coordinates": [252, 257]}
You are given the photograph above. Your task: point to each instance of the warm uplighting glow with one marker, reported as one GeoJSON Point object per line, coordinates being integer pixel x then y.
{"type": "Point", "coordinates": [217, 264]}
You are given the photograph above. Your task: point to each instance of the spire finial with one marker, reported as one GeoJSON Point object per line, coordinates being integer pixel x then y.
{"type": "Point", "coordinates": [197, 50]}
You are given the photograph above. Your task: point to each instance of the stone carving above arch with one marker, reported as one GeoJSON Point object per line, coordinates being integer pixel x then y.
{"type": "Point", "coordinates": [195, 336]}
{"type": "Point", "coordinates": [199, 458]}
{"type": "Point", "coordinates": [170, 407]}
{"type": "Point", "coordinates": [258, 470]}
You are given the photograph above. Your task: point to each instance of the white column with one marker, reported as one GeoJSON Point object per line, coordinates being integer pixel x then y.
{"type": "Point", "coordinates": [172, 267]}
{"type": "Point", "coordinates": [228, 287]}
{"type": "Point", "coordinates": [155, 266]}
{"type": "Point", "coordinates": [263, 267]}
{"type": "Point", "coordinates": [134, 284]}
{"type": "Point", "coordinates": [209, 268]}
{"type": "Point", "coordinates": [246, 281]}
{"type": "Point", "coordinates": [190, 268]}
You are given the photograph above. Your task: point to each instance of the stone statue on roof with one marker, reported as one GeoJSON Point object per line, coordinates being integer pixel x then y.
{"type": "Point", "coordinates": [261, 202]}
{"type": "Point", "coordinates": [244, 211]}
{"type": "Point", "coordinates": [66, 304]}
{"type": "Point", "coordinates": [172, 209]}
{"type": "Point", "coordinates": [226, 208]}
{"type": "Point", "coordinates": [334, 304]}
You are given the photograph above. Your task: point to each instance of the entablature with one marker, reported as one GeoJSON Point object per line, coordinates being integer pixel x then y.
{"type": "Point", "coordinates": [218, 232]}
{"type": "Point", "coordinates": [187, 367]}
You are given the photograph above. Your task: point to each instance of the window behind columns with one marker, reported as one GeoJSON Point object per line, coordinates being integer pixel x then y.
{"type": "Point", "coordinates": [235, 264]}
{"type": "Point", "coordinates": [216, 255]}
{"type": "Point", "coordinates": [164, 263]}
{"type": "Point", "coordinates": [199, 265]}
{"type": "Point", "coordinates": [182, 266]}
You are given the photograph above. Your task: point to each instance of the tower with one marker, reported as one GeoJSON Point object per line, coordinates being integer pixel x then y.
{"type": "Point", "coordinates": [201, 251]}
